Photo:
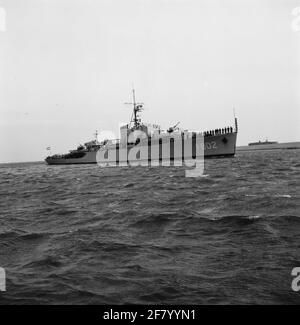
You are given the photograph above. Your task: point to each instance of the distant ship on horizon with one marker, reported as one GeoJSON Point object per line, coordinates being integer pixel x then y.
{"type": "Point", "coordinates": [218, 143]}
{"type": "Point", "coordinates": [259, 143]}
{"type": "Point", "coordinates": [269, 145]}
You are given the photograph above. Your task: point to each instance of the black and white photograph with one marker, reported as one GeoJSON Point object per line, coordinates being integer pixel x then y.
{"type": "Point", "coordinates": [149, 155]}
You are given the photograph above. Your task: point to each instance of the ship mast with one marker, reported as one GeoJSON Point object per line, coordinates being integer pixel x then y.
{"type": "Point", "coordinates": [135, 112]}
{"type": "Point", "coordinates": [235, 121]}
{"type": "Point", "coordinates": [137, 108]}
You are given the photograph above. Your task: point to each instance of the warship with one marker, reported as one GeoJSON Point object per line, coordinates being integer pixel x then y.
{"type": "Point", "coordinates": [152, 140]}
{"type": "Point", "coordinates": [261, 143]}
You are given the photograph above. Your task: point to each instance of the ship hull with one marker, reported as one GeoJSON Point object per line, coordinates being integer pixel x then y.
{"type": "Point", "coordinates": [215, 146]}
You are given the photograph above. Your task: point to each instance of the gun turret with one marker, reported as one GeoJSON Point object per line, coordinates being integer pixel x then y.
{"type": "Point", "coordinates": [173, 128]}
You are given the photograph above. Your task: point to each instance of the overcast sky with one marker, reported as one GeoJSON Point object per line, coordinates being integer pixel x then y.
{"type": "Point", "coordinates": [67, 67]}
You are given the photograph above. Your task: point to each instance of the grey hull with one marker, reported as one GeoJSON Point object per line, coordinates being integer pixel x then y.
{"type": "Point", "coordinates": [215, 146]}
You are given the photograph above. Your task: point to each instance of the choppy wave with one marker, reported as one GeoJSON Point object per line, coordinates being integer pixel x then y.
{"type": "Point", "coordinates": [82, 234]}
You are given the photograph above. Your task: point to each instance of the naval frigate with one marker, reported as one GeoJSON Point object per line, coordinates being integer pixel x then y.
{"type": "Point", "coordinates": [217, 143]}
